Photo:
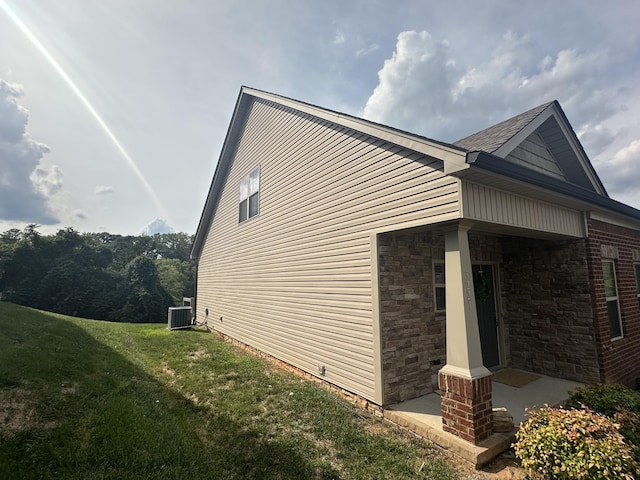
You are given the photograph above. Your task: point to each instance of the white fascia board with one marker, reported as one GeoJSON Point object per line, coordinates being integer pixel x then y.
{"type": "Point", "coordinates": [454, 159]}
{"type": "Point", "coordinates": [588, 169]}
{"type": "Point", "coordinates": [621, 221]}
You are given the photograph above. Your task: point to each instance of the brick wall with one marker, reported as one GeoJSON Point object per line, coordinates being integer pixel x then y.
{"type": "Point", "coordinates": [548, 312]}
{"type": "Point", "coordinates": [619, 359]}
{"type": "Point", "coordinates": [466, 407]}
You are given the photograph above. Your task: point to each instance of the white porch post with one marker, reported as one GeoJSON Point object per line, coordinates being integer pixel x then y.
{"type": "Point", "coordinates": [465, 383]}
{"type": "Point", "coordinates": [464, 353]}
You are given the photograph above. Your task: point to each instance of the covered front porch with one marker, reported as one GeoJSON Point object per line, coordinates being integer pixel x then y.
{"type": "Point", "coordinates": [460, 303]}
{"type": "Point", "coordinates": [423, 415]}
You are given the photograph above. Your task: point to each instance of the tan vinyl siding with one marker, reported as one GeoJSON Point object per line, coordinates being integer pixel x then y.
{"type": "Point", "coordinates": [496, 206]}
{"type": "Point", "coordinates": [296, 281]}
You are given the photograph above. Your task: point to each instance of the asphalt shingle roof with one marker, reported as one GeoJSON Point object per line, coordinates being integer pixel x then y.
{"type": "Point", "coordinates": [492, 138]}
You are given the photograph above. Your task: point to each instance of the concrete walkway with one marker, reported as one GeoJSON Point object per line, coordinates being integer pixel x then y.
{"type": "Point", "coordinates": [422, 415]}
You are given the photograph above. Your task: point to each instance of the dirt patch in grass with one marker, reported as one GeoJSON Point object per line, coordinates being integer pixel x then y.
{"type": "Point", "coordinates": [16, 413]}
{"type": "Point", "coordinates": [230, 382]}
{"type": "Point", "coordinates": [166, 369]}
{"type": "Point", "coordinates": [193, 398]}
{"type": "Point", "coordinates": [69, 388]}
{"type": "Point", "coordinates": [199, 353]}
{"type": "Point", "coordinates": [503, 467]}
{"type": "Point", "coordinates": [374, 426]}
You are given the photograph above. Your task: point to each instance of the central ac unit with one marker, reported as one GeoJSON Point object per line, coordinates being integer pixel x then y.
{"type": "Point", "coordinates": [179, 317]}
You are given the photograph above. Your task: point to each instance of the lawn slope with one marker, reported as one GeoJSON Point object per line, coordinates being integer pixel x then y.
{"type": "Point", "coordinates": [83, 399]}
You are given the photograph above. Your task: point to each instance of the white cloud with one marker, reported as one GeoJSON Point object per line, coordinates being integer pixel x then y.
{"type": "Point", "coordinates": [339, 38]}
{"type": "Point", "coordinates": [503, 69]}
{"type": "Point", "coordinates": [414, 84]}
{"type": "Point", "coordinates": [621, 171]}
{"type": "Point", "coordinates": [25, 185]}
{"type": "Point", "coordinates": [47, 180]}
{"type": "Point", "coordinates": [595, 138]}
{"type": "Point", "coordinates": [367, 50]}
{"type": "Point", "coordinates": [423, 89]}
{"type": "Point", "coordinates": [104, 190]}
{"type": "Point", "coordinates": [158, 225]}
{"type": "Point", "coordinates": [13, 117]}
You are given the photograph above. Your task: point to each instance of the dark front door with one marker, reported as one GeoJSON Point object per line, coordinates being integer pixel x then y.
{"type": "Point", "coordinates": [484, 286]}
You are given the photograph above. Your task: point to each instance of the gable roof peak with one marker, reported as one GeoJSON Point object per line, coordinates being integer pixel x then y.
{"type": "Point", "coordinates": [541, 138]}
{"type": "Point", "coordinates": [492, 138]}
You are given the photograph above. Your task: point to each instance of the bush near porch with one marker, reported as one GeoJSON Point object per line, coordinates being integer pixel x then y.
{"type": "Point", "coordinates": [574, 444]}
{"type": "Point", "coordinates": [619, 403]}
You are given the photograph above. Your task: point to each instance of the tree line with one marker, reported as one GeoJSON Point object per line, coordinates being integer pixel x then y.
{"type": "Point", "coordinates": [97, 275]}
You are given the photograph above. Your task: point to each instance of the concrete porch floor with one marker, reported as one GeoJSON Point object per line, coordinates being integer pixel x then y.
{"type": "Point", "coordinates": [422, 415]}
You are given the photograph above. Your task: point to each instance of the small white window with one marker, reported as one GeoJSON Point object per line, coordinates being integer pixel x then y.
{"type": "Point", "coordinates": [611, 294]}
{"type": "Point", "coordinates": [439, 291]}
{"type": "Point", "coordinates": [249, 205]}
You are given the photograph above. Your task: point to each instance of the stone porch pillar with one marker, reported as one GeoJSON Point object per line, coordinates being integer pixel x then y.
{"type": "Point", "coordinates": [465, 384]}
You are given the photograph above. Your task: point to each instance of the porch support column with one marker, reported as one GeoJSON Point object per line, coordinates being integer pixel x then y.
{"type": "Point", "coordinates": [465, 384]}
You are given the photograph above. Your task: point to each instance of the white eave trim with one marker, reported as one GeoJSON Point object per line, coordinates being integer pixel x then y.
{"type": "Point", "coordinates": [454, 159]}
{"type": "Point", "coordinates": [613, 219]}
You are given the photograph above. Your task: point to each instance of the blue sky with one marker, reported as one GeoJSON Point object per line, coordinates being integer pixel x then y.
{"type": "Point", "coordinates": [113, 112]}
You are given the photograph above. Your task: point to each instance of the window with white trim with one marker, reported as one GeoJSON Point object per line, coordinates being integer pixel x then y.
{"type": "Point", "coordinates": [636, 269]}
{"type": "Point", "coordinates": [439, 290]}
{"type": "Point", "coordinates": [249, 205]}
{"type": "Point", "coordinates": [611, 294]}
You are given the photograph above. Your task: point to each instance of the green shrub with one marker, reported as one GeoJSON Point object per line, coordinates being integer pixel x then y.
{"type": "Point", "coordinates": [621, 404]}
{"type": "Point", "coordinates": [606, 399]}
{"type": "Point", "coordinates": [574, 444]}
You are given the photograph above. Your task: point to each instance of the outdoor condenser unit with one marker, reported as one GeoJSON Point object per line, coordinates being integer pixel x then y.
{"type": "Point", "coordinates": [179, 317]}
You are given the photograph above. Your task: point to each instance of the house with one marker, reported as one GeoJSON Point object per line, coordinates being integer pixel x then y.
{"type": "Point", "coordinates": [390, 264]}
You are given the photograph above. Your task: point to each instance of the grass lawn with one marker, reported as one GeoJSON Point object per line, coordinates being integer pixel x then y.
{"type": "Point", "coordinates": [84, 399]}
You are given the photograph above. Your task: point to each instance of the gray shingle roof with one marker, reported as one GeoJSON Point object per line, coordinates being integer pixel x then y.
{"type": "Point", "coordinates": [492, 138]}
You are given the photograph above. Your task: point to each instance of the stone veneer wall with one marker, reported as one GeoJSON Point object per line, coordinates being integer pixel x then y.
{"type": "Point", "coordinates": [413, 339]}
{"type": "Point", "coordinates": [411, 333]}
{"type": "Point", "coordinates": [619, 359]}
{"type": "Point", "coordinates": [548, 312]}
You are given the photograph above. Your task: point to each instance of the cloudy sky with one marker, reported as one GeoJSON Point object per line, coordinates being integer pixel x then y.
{"type": "Point", "coordinates": [113, 112]}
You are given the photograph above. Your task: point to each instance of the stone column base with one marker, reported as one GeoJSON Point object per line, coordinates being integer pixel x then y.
{"type": "Point", "coordinates": [466, 406]}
